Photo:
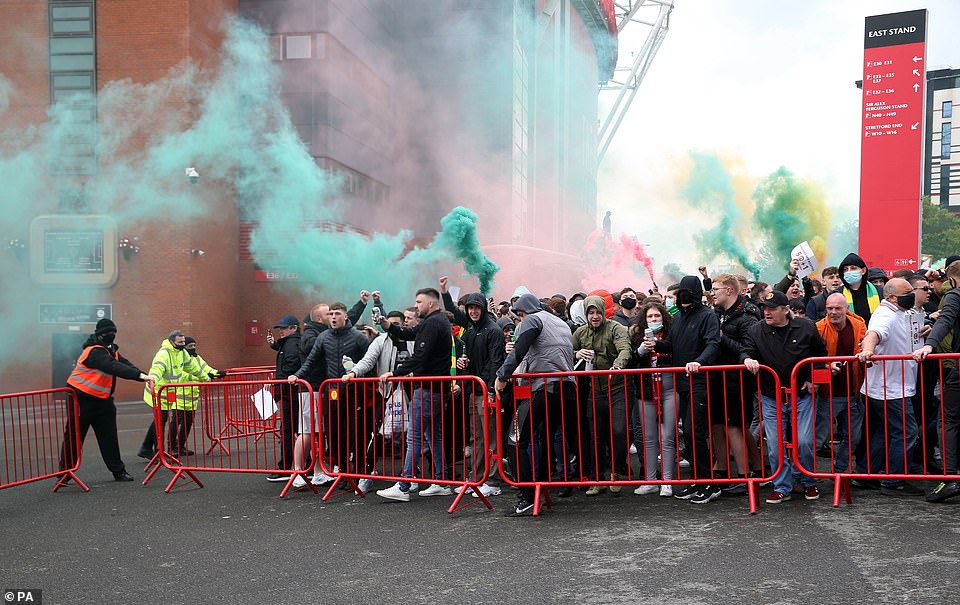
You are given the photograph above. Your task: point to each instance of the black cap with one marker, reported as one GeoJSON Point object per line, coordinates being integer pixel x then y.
{"type": "Point", "coordinates": [105, 325]}
{"type": "Point", "coordinates": [775, 299]}
{"type": "Point", "coordinates": [286, 321]}
{"type": "Point", "coordinates": [188, 340]}
{"type": "Point", "coordinates": [950, 260]}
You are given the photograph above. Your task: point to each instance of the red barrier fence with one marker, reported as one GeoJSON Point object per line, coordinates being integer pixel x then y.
{"type": "Point", "coordinates": [40, 431]}
{"type": "Point", "coordinates": [409, 430]}
{"type": "Point", "coordinates": [868, 424]}
{"type": "Point", "coordinates": [575, 429]}
{"type": "Point", "coordinates": [185, 448]}
{"type": "Point", "coordinates": [240, 414]}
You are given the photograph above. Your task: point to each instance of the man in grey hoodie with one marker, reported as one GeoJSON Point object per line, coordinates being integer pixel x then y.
{"type": "Point", "coordinates": [543, 341]}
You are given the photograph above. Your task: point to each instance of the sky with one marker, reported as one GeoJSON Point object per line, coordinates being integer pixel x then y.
{"type": "Point", "coordinates": [762, 84]}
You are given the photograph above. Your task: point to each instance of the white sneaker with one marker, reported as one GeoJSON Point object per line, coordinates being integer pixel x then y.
{"type": "Point", "coordinates": [666, 491]}
{"type": "Point", "coordinates": [460, 489]}
{"type": "Point", "coordinates": [299, 482]}
{"type": "Point", "coordinates": [436, 490]}
{"type": "Point", "coordinates": [633, 448]}
{"type": "Point", "coordinates": [414, 487]}
{"type": "Point", "coordinates": [321, 478]}
{"type": "Point", "coordinates": [646, 490]}
{"type": "Point", "coordinates": [364, 485]}
{"type": "Point", "coordinates": [394, 493]}
{"type": "Point", "coordinates": [487, 491]}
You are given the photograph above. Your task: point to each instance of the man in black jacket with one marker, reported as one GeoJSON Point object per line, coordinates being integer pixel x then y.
{"type": "Point", "coordinates": [694, 341]}
{"type": "Point", "coordinates": [484, 344]}
{"type": "Point", "coordinates": [433, 349]}
{"type": "Point", "coordinates": [327, 358]}
{"type": "Point", "coordinates": [782, 342]}
{"type": "Point", "coordinates": [93, 380]}
{"type": "Point", "coordinates": [287, 347]}
{"type": "Point", "coordinates": [732, 394]}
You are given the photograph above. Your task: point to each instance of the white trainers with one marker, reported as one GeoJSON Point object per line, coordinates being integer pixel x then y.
{"type": "Point", "coordinates": [460, 489]}
{"type": "Point", "coordinates": [321, 478]}
{"type": "Point", "coordinates": [299, 482]}
{"type": "Point", "coordinates": [364, 485]}
{"type": "Point", "coordinates": [666, 491]}
{"type": "Point", "coordinates": [436, 490]}
{"type": "Point", "coordinates": [646, 490]}
{"type": "Point", "coordinates": [394, 493]}
{"type": "Point", "coordinates": [633, 448]}
{"type": "Point", "coordinates": [414, 487]}
{"type": "Point", "coordinates": [487, 491]}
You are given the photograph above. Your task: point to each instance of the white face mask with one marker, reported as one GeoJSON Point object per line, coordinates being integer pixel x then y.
{"type": "Point", "coordinates": [670, 301]}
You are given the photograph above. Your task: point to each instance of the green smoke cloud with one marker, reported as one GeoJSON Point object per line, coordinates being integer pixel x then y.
{"type": "Point", "coordinates": [711, 188]}
{"type": "Point", "coordinates": [790, 211]}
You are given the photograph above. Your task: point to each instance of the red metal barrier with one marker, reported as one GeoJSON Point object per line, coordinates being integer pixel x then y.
{"type": "Point", "coordinates": [893, 437]}
{"type": "Point", "coordinates": [353, 419]}
{"type": "Point", "coordinates": [185, 448]}
{"type": "Point", "coordinates": [589, 414]}
{"type": "Point", "coordinates": [242, 417]}
{"type": "Point", "coordinates": [41, 438]}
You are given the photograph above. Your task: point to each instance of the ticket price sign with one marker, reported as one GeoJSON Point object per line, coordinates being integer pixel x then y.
{"type": "Point", "coordinates": [891, 160]}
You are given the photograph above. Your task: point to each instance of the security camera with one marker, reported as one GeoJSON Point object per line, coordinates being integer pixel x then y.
{"type": "Point", "coordinates": [193, 175]}
{"type": "Point", "coordinates": [198, 252]}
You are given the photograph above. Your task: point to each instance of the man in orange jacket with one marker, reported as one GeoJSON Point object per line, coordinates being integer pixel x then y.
{"type": "Point", "coordinates": [842, 331]}
{"type": "Point", "coordinates": [93, 381]}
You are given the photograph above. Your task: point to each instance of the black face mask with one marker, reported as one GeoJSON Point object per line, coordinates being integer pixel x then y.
{"type": "Point", "coordinates": [193, 352]}
{"type": "Point", "coordinates": [628, 303]}
{"type": "Point", "coordinates": [684, 297]}
{"type": "Point", "coordinates": [907, 301]}
{"type": "Point", "coordinates": [179, 347]}
{"type": "Point", "coordinates": [108, 338]}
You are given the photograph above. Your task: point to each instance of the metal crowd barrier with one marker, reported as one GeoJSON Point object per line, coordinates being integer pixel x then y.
{"type": "Point", "coordinates": [242, 418]}
{"type": "Point", "coordinates": [893, 438]}
{"type": "Point", "coordinates": [40, 433]}
{"type": "Point", "coordinates": [186, 449]}
{"type": "Point", "coordinates": [432, 437]}
{"type": "Point", "coordinates": [577, 431]}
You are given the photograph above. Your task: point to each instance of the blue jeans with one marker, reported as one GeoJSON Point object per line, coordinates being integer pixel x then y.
{"type": "Point", "coordinates": [844, 411]}
{"type": "Point", "coordinates": [783, 482]}
{"type": "Point", "coordinates": [892, 449]}
{"type": "Point", "coordinates": [426, 421]}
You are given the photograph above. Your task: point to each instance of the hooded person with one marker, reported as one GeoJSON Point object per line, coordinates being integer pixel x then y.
{"type": "Point", "coordinates": [605, 344]}
{"type": "Point", "coordinates": [543, 341]}
{"type": "Point", "coordinates": [693, 341]}
{"type": "Point", "coordinates": [93, 381]}
{"type": "Point", "coordinates": [578, 316]}
{"type": "Point", "coordinates": [484, 351]}
{"type": "Point", "coordinates": [862, 296]}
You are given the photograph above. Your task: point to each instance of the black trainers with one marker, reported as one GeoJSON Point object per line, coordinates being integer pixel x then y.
{"type": "Point", "coordinates": [146, 454]}
{"type": "Point", "coordinates": [523, 508]}
{"type": "Point", "coordinates": [865, 483]}
{"type": "Point", "coordinates": [943, 490]}
{"type": "Point", "coordinates": [706, 494]}
{"type": "Point", "coordinates": [122, 476]}
{"type": "Point", "coordinates": [277, 477]}
{"type": "Point", "coordinates": [903, 489]}
{"type": "Point", "coordinates": [686, 493]}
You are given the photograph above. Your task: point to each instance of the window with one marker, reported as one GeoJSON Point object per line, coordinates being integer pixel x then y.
{"type": "Point", "coordinates": [945, 140]}
{"type": "Point", "coordinates": [72, 67]}
{"type": "Point", "coordinates": [947, 109]}
{"type": "Point", "coordinates": [944, 184]}
{"type": "Point", "coordinates": [298, 47]}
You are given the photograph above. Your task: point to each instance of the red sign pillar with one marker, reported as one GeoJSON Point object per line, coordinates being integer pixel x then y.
{"type": "Point", "coordinates": [891, 156]}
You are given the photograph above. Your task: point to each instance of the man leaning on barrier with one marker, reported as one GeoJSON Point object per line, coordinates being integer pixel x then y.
{"type": "Point", "coordinates": [543, 340]}
{"type": "Point", "coordinates": [889, 389]}
{"type": "Point", "coordinates": [781, 342]}
{"type": "Point", "coordinates": [431, 357]}
{"type": "Point", "coordinates": [948, 323]}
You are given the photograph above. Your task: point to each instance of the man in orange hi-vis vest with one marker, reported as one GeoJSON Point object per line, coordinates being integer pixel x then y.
{"type": "Point", "coordinates": [93, 381]}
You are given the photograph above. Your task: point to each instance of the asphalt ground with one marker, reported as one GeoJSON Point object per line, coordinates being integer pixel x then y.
{"type": "Point", "coordinates": [235, 540]}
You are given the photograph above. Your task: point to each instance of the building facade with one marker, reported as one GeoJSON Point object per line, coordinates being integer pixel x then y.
{"type": "Point", "coordinates": [941, 174]}
{"type": "Point", "coordinates": [416, 106]}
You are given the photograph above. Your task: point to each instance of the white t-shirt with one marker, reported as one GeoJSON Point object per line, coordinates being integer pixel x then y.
{"type": "Point", "coordinates": [891, 379]}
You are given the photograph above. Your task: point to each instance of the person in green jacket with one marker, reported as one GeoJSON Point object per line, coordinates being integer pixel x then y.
{"type": "Point", "coordinates": [603, 344]}
{"type": "Point", "coordinates": [173, 364]}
